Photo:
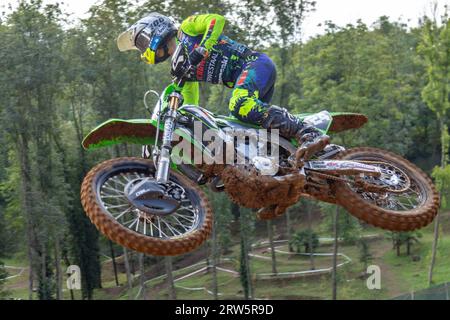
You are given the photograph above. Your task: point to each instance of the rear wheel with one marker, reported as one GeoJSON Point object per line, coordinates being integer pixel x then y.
{"type": "Point", "coordinates": [104, 199]}
{"type": "Point", "coordinates": [403, 198]}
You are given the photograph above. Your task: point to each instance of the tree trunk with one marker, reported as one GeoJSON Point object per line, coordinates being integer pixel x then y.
{"type": "Point", "coordinates": [433, 254]}
{"type": "Point", "coordinates": [245, 248]}
{"type": "Point", "coordinates": [335, 250]}
{"type": "Point", "coordinates": [142, 276]}
{"type": "Point", "coordinates": [247, 263]}
{"type": "Point", "coordinates": [288, 230]}
{"type": "Point", "coordinates": [444, 129]}
{"type": "Point", "coordinates": [128, 273]}
{"type": "Point", "coordinates": [113, 258]}
{"type": "Point", "coordinates": [215, 253]}
{"type": "Point", "coordinates": [43, 281]}
{"type": "Point", "coordinates": [397, 245]}
{"type": "Point", "coordinates": [59, 278]}
{"type": "Point", "coordinates": [25, 172]}
{"type": "Point", "coordinates": [311, 256]}
{"type": "Point", "coordinates": [208, 250]}
{"type": "Point", "coordinates": [30, 262]}
{"type": "Point", "coordinates": [170, 282]}
{"type": "Point", "coordinates": [272, 246]}
{"type": "Point", "coordinates": [67, 262]}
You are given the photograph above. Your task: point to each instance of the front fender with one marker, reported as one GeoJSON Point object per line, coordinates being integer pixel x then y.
{"type": "Point", "coordinates": [115, 131]}
{"type": "Point", "coordinates": [138, 131]}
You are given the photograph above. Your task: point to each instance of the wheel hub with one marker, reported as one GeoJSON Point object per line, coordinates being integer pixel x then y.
{"type": "Point", "coordinates": [150, 197]}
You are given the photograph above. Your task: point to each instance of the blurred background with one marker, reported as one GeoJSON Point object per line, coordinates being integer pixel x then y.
{"type": "Point", "coordinates": [61, 74]}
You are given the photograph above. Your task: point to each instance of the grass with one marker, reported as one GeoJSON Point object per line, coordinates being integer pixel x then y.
{"type": "Point", "coordinates": [399, 274]}
{"type": "Point", "coordinates": [414, 274]}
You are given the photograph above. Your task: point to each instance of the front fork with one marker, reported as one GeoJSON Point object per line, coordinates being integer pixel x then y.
{"type": "Point", "coordinates": [162, 172]}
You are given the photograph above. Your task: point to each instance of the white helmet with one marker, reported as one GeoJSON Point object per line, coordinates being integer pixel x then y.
{"type": "Point", "coordinates": [147, 35]}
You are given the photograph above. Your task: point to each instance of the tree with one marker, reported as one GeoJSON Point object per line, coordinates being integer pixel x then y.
{"type": "Point", "coordinates": [364, 252]}
{"type": "Point", "coordinates": [221, 236]}
{"type": "Point", "coordinates": [404, 238]}
{"type": "Point", "coordinates": [334, 275]}
{"type": "Point", "coordinates": [34, 35]}
{"type": "Point", "coordinates": [3, 275]}
{"type": "Point", "coordinates": [272, 246]}
{"type": "Point", "coordinates": [307, 239]}
{"type": "Point", "coordinates": [309, 207]}
{"type": "Point", "coordinates": [142, 278]}
{"type": "Point", "coordinates": [435, 49]}
{"type": "Point", "coordinates": [170, 282]}
{"type": "Point", "coordinates": [349, 226]}
{"type": "Point", "coordinates": [246, 224]}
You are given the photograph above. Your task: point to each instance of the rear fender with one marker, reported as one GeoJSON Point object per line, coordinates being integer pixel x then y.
{"type": "Point", "coordinates": [341, 121]}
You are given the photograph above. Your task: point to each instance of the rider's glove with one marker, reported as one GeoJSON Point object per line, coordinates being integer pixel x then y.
{"type": "Point", "coordinates": [197, 55]}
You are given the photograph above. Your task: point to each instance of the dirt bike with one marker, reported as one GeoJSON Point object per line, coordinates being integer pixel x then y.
{"type": "Point", "coordinates": [154, 204]}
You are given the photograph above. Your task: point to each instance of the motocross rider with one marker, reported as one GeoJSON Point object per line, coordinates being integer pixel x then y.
{"type": "Point", "coordinates": [219, 60]}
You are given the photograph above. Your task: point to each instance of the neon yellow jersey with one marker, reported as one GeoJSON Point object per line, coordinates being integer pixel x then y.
{"type": "Point", "coordinates": [224, 60]}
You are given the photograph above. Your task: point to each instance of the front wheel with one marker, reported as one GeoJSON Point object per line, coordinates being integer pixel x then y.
{"type": "Point", "coordinates": [409, 200]}
{"type": "Point", "coordinates": [105, 201]}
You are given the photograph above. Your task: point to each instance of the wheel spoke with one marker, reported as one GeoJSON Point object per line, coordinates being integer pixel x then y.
{"type": "Point", "coordinates": [117, 206]}
{"type": "Point", "coordinates": [172, 229]}
{"type": "Point", "coordinates": [112, 189]}
{"type": "Point", "coordinates": [125, 177]}
{"type": "Point", "coordinates": [408, 196]}
{"type": "Point", "coordinates": [116, 180]}
{"type": "Point", "coordinates": [122, 213]}
{"type": "Point", "coordinates": [115, 202]}
{"type": "Point", "coordinates": [160, 229]}
{"type": "Point", "coordinates": [132, 224]}
{"type": "Point", "coordinates": [103, 196]}
{"type": "Point", "coordinates": [145, 226]}
{"type": "Point", "coordinates": [182, 216]}
{"type": "Point", "coordinates": [179, 223]}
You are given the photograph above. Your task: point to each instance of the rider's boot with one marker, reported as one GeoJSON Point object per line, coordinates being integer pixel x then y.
{"type": "Point", "coordinates": [310, 139]}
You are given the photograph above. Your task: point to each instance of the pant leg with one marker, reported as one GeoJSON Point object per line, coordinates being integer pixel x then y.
{"type": "Point", "coordinates": [253, 90]}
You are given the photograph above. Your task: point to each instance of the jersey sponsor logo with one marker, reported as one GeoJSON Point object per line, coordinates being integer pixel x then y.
{"type": "Point", "coordinates": [200, 70]}
{"type": "Point", "coordinates": [211, 67]}
{"type": "Point", "coordinates": [222, 68]}
{"type": "Point", "coordinates": [242, 78]}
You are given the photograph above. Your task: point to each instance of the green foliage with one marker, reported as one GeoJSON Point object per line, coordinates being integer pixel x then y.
{"type": "Point", "coordinates": [365, 256]}
{"type": "Point", "coordinates": [222, 219]}
{"type": "Point", "coordinates": [442, 180]}
{"type": "Point", "coordinates": [305, 239]}
{"type": "Point", "coordinates": [58, 81]}
{"type": "Point", "coordinates": [349, 228]}
{"type": "Point", "coordinates": [435, 50]}
{"type": "Point", "coordinates": [243, 269]}
{"type": "Point", "coordinates": [356, 69]}
{"type": "Point", "coordinates": [434, 47]}
{"type": "Point", "coordinates": [3, 275]}
{"type": "Point", "coordinates": [247, 225]}
{"type": "Point", "coordinates": [400, 239]}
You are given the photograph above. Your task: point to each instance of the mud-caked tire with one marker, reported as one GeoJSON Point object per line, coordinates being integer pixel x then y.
{"type": "Point", "coordinates": [384, 218]}
{"type": "Point", "coordinates": [131, 239]}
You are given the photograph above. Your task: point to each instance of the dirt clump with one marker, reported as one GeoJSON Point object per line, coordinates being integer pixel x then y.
{"type": "Point", "coordinates": [249, 189]}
